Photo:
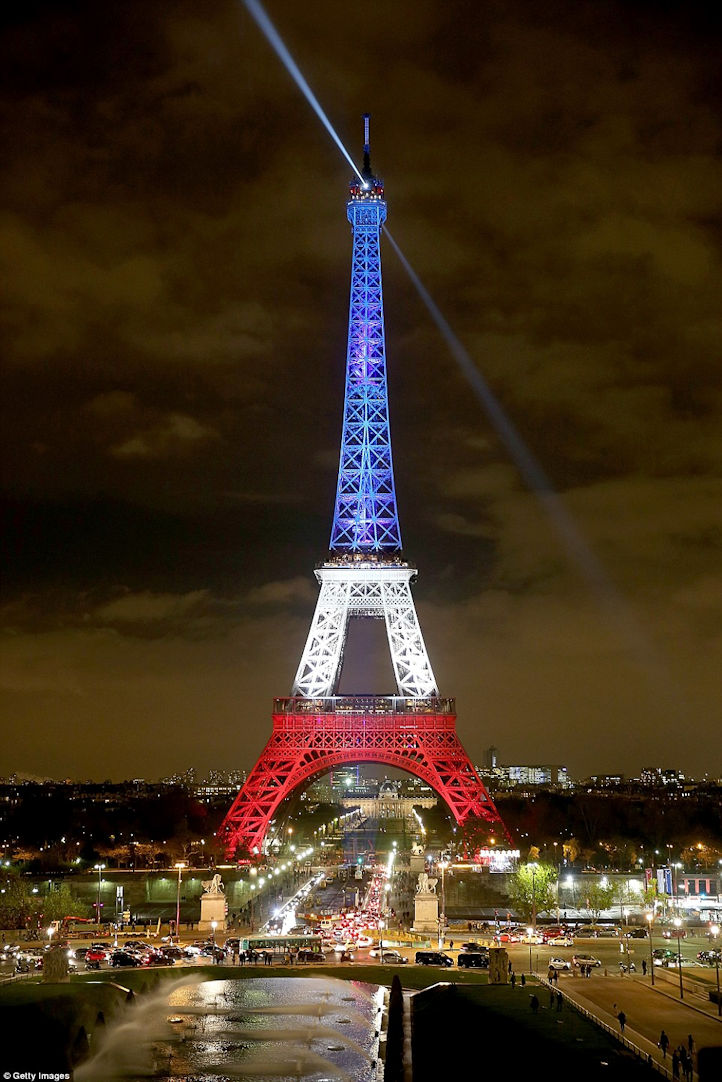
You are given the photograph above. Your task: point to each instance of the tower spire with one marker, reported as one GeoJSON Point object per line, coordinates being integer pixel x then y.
{"type": "Point", "coordinates": [366, 171]}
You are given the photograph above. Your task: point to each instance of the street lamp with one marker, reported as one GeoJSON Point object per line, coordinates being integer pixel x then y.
{"type": "Point", "coordinates": [533, 896]}
{"type": "Point", "coordinates": [715, 932]}
{"type": "Point", "coordinates": [180, 865]}
{"type": "Point", "coordinates": [214, 925]}
{"type": "Point", "coordinates": [650, 918]}
{"type": "Point", "coordinates": [442, 920]}
{"type": "Point", "coordinates": [99, 868]}
{"type": "Point", "coordinates": [678, 926]}
{"type": "Point", "coordinates": [529, 933]}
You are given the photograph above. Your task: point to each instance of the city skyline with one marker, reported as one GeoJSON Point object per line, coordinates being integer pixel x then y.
{"type": "Point", "coordinates": [177, 254]}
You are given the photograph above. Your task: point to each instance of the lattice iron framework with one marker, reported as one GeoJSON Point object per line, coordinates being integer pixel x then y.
{"type": "Point", "coordinates": [364, 576]}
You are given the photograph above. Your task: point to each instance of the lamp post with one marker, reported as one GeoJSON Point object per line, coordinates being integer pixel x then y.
{"type": "Point", "coordinates": [442, 919]}
{"type": "Point", "coordinates": [214, 925]}
{"type": "Point", "coordinates": [678, 926]}
{"type": "Point", "coordinates": [529, 933]}
{"type": "Point", "coordinates": [180, 865]}
{"type": "Point", "coordinates": [533, 897]}
{"type": "Point", "coordinates": [715, 932]}
{"type": "Point", "coordinates": [99, 869]}
{"type": "Point", "coordinates": [650, 918]}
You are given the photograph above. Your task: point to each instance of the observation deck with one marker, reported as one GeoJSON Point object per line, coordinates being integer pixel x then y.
{"type": "Point", "coordinates": [367, 706]}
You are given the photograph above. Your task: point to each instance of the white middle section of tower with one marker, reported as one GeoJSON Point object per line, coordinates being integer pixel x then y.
{"type": "Point", "coordinates": [370, 590]}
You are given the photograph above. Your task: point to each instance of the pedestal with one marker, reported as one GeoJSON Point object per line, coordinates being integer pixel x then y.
{"type": "Point", "coordinates": [417, 863]}
{"type": "Point", "coordinates": [426, 913]}
{"type": "Point", "coordinates": [213, 908]}
{"type": "Point", "coordinates": [498, 966]}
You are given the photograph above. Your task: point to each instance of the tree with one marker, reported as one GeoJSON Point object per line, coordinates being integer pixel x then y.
{"type": "Point", "coordinates": [532, 889]}
{"type": "Point", "coordinates": [598, 898]}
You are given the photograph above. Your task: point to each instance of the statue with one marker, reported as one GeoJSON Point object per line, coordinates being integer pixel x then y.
{"type": "Point", "coordinates": [425, 885]}
{"type": "Point", "coordinates": [213, 886]}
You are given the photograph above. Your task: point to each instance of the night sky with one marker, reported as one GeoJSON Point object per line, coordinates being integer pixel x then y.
{"type": "Point", "coordinates": [176, 258]}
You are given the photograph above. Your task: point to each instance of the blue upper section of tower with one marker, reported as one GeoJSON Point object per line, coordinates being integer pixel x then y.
{"type": "Point", "coordinates": [365, 516]}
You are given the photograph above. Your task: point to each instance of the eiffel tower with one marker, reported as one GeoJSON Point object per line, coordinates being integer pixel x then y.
{"type": "Point", "coordinates": [364, 576]}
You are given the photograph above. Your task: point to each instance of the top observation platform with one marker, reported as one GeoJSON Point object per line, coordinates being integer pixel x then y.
{"type": "Point", "coordinates": [367, 705]}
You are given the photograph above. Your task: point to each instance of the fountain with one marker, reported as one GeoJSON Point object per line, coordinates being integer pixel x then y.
{"type": "Point", "coordinates": [258, 1028]}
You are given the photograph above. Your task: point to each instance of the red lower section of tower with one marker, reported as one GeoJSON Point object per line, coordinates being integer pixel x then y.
{"type": "Point", "coordinates": [311, 736]}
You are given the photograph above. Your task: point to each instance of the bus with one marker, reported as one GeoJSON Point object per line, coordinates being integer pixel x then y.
{"type": "Point", "coordinates": [281, 943]}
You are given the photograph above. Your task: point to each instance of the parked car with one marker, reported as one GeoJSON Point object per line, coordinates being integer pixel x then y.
{"type": "Point", "coordinates": [585, 960]}
{"type": "Point", "coordinates": [473, 960]}
{"type": "Point", "coordinates": [560, 964]}
{"type": "Point", "coordinates": [433, 958]}
{"type": "Point", "coordinates": [174, 953]}
{"type": "Point", "coordinates": [124, 958]}
{"type": "Point", "coordinates": [472, 946]}
{"type": "Point", "coordinates": [560, 941]}
{"type": "Point", "coordinates": [710, 958]}
{"type": "Point", "coordinates": [94, 958]}
{"type": "Point", "coordinates": [156, 957]}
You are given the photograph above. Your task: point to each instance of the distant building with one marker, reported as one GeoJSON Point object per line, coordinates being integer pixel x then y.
{"type": "Point", "coordinates": [654, 777]}
{"type": "Point", "coordinates": [551, 775]}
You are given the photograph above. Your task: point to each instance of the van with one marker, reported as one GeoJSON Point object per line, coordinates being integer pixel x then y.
{"type": "Point", "coordinates": [433, 958]}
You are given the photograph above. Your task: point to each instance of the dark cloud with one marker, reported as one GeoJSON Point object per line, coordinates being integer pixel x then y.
{"type": "Point", "coordinates": [175, 256]}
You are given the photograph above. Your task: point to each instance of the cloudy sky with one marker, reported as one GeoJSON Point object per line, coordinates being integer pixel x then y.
{"type": "Point", "coordinates": [175, 258]}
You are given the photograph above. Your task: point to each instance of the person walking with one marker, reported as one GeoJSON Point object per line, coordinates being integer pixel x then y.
{"type": "Point", "coordinates": [622, 1019]}
{"type": "Point", "coordinates": [675, 1064]}
{"type": "Point", "coordinates": [690, 1044]}
{"type": "Point", "coordinates": [644, 968]}
{"type": "Point", "coordinates": [663, 1043]}
{"type": "Point", "coordinates": [684, 1060]}
{"type": "Point", "coordinates": [534, 1004]}
{"type": "Point", "coordinates": [513, 979]}
{"type": "Point", "coordinates": [523, 980]}
{"type": "Point", "coordinates": [560, 1000]}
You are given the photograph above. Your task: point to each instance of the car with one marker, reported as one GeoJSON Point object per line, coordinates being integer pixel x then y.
{"type": "Point", "coordinates": [124, 958]}
{"type": "Point", "coordinates": [585, 960]}
{"type": "Point", "coordinates": [473, 960]}
{"type": "Point", "coordinates": [710, 958]}
{"type": "Point", "coordinates": [472, 946]}
{"type": "Point", "coordinates": [305, 955]}
{"type": "Point", "coordinates": [508, 937]}
{"type": "Point", "coordinates": [364, 941]}
{"type": "Point", "coordinates": [433, 958]}
{"type": "Point", "coordinates": [390, 957]}
{"type": "Point", "coordinates": [93, 956]}
{"type": "Point", "coordinates": [560, 941]}
{"type": "Point", "coordinates": [559, 964]}
{"type": "Point", "coordinates": [534, 937]}
{"type": "Point", "coordinates": [636, 933]}
{"type": "Point", "coordinates": [156, 957]}
{"type": "Point", "coordinates": [172, 952]}
{"type": "Point", "coordinates": [674, 933]}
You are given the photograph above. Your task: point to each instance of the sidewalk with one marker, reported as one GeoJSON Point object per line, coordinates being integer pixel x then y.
{"type": "Point", "coordinates": [648, 1012]}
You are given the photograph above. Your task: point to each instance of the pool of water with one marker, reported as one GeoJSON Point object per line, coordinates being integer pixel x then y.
{"type": "Point", "coordinates": [270, 1027]}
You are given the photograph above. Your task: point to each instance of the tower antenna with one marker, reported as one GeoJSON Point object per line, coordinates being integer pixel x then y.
{"type": "Point", "coordinates": [366, 171]}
